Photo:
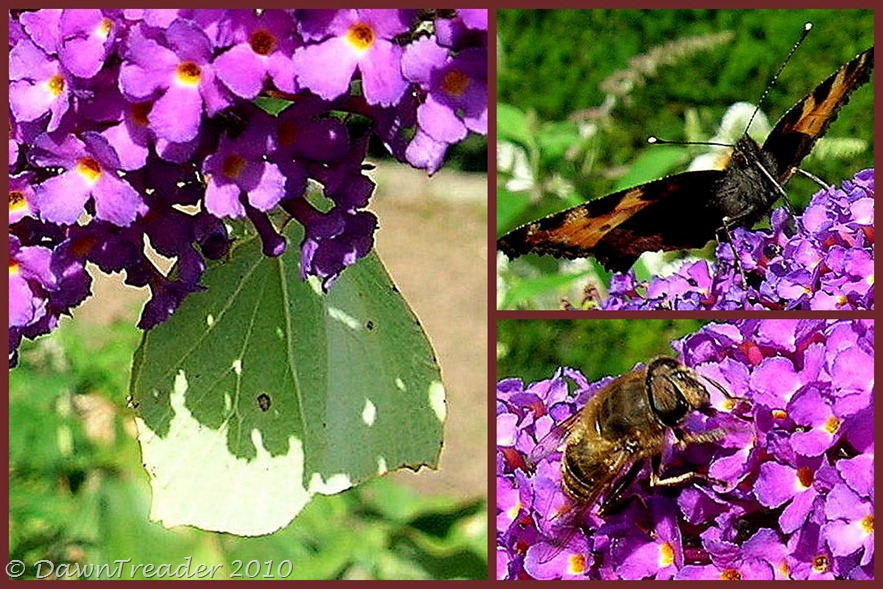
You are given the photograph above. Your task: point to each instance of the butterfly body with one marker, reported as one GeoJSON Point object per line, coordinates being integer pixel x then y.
{"type": "Point", "coordinates": [687, 210]}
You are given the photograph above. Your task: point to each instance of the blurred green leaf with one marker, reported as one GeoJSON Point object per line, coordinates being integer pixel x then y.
{"type": "Point", "coordinates": [656, 162]}
{"type": "Point", "coordinates": [512, 125]}
{"type": "Point", "coordinates": [556, 138]}
{"type": "Point", "coordinates": [510, 207]}
{"type": "Point", "coordinates": [524, 290]}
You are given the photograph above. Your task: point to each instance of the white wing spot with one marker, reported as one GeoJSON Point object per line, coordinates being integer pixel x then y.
{"type": "Point", "coordinates": [237, 367]}
{"type": "Point", "coordinates": [181, 385]}
{"type": "Point", "coordinates": [218, 490]}
{"type": "Point", "coordinates": [381, 465]}
{"type": "Point", "coordinates": [315, 284]}
{"type": "Point", "coordinates": [257, 439]}
{"type": "Point", "coordinates": [343, 317]}
{"type": "Point", "coordinates": [335, 484]}
{"type": "Point", "coordinates": [437, 400]}
{"type": "Point", "coordinates": [369, 412]}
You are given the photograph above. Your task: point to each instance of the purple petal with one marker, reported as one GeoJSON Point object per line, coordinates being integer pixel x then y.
{"type": "Point", "coordinates": [421, 59]}
{"type": "Point", "coordinates": [425, 152]}
{"type": "Point", "coordinates": [241, 70]}
{"type": "Point", "coordinates": [222, 198]}
{"type": "Point", "coordinates": [176, 116]}
{"type": "Point", "coordinates": [270, 187]}
{"type": "Point", "coordinates": [116, 201]}
{"type": "Point", "coordinates": [61, 199]}
{"type": "Point", "coordinates": [776, 484]}
{"type": "Point", "coordinates": [382, 81]}
{"type": "Point", "coordinates": [326, 68]}
{"type": "Point", "coordinates": [440, 122]}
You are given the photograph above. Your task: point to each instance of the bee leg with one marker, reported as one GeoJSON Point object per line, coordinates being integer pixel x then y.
{"type": "Point", "coordinates": [614, 498]}
{"type": "Point", "coordinates": [657, 481]}
{"type": "Point", "coordinates": [684, 439]}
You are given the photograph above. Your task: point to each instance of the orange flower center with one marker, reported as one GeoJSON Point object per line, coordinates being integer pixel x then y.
{"type": "Point", "coordinates": [16, 200]}
{"type": "Point", "coordinates": [262, 42]}
{"type": "Point", "coordinates": [139, 113]}
{"type": "Point", "coordinates": [455, 83]}
{"type": "Point", "coordinates": [576, 564]}
{"type": "Point", "coordinates": [731, 575]}
{"type": "Point", "coordinates": [89, 169]}
{"type": "Point", "coordinates": [832, 425]}
{"type": "Point", "coordinates": [104, 27]}
{"type": "Point", "coordinates": [56, 85]}
{"type": "Point", "coordinates": [189, 73]}
{"type": "Point", "coordinates": [360, 36]}
{"type": "Point", "coordinates": [233, 166]}
{"type": "Point", "coordinates": [804, 475]}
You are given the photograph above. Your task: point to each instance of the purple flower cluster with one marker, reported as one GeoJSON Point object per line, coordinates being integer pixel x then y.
{"type": "Point", "coordinates": [795, 491]}
{"type": "Point", "coordinates": [130, 127]}
{"type": "Point", "coordinates": [827, 264]}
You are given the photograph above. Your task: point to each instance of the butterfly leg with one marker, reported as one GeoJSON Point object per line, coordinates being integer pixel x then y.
{"type": "Point", "coordinates": [777, 186]}
{"type": "Point", "coordinates": [783, 194]}
{"type": "Point", "coordinates": [727, 221]}
{"type": "Point", "coordinates": [814, 178]}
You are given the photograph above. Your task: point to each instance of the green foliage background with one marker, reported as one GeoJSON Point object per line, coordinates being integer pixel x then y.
{"type": "Point", "coordinates": [533, 350]}
{"type": "Point", "coordinates": [79, 495]}
{"type": "Point", "coordinates": [551, 64]}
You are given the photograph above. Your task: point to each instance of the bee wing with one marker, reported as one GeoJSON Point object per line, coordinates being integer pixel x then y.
{"type": "Point", "coordinates": [564, 523]}
{"type": "Point", "coordinates": [569, 543]}
{"type": "Point", "coordinates": [553, 440]}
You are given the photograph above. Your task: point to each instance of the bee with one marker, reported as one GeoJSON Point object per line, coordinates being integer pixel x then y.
{"type": "Point", "coordinates": [607, 443]}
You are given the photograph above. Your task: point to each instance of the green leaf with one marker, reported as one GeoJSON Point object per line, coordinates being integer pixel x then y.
{"type": "Point", "coordinates": [652, 163]}
{"type": "Point", "coordinates": [262, 390]}
{"type": "Point", "coordinates": [556, 138]}
{"type": "Point", "coordinates": [510, 206]}
{"type": "Point", "coordinates": [525, 290]}
{"type": "Point", "coordinates": [513, 125]}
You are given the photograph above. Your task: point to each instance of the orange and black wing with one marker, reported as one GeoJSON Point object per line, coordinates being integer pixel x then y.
{"type": "Point", "coordinates": [671, 213]}
{"type": "Point", "coordinates": [795, 134]}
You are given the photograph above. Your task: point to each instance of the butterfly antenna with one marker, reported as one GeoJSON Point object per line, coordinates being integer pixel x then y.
{"type": "Point", "coordinates": [657, 141]}
{"type": "Point", "coordinates": [807, 27]}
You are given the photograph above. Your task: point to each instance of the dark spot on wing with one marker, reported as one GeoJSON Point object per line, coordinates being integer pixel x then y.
{"type": "Point", "coordinates": [264, 401]}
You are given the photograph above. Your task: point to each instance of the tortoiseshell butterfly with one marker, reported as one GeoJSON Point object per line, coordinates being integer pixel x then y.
{"type": "Point", "coordinates": [687, 210]}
